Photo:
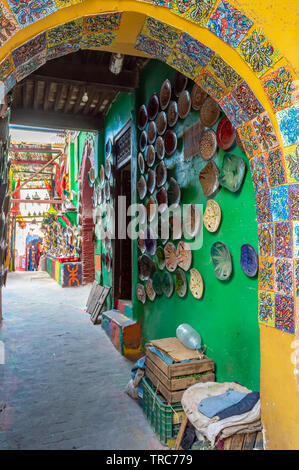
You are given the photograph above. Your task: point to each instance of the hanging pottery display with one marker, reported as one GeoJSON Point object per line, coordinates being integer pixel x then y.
{"type": "Point", "coordinates": [184, 255]}
{"type": "Point", "coordinates": [108, 148]}
{"type": "Point", "coordinates": [150, 240]}
{"type": "Point", "coordinates": [209, 178]}
{"type": "Point", "coordinates": [143, 141]}
{"type": "Point", "coordinates": [208, 144]}
{"type": "Point", "coordinates": [141, 295]}
{"type": "Point", "coordinates": [212, 216]}
{"type": "Point", "coordinates": [179, 84]}
{"type": "Point", "coordinates": [173, 193]}
{"type": "Point", "coordinates": [180, 283]}
{"type": "Point", "coordinates": [150, 155]}
{"type": "Point", "coordinates": [141, 163]}
{"type": "Point", "coordinates": [151, 132]}
{"type": "Point", "coordinates": [249, 260]}
{"type": "Point", "coordinates": [142, 187]}
{"type": "Point", "coordinates": [165, 94]}
{"type": "Point", "coordinates": [153, 107]}
{"type": "Point", "coordinates": [226, 134]}
{"type": "Point", "coordinates": [167, 285]}
{"type": "Point", "coordinates": [170, 142]}
{"type": "Point", "coordinates": [150, 291]}
{"type": "Point", "coordinates": [198, 95]}
{"type": "Point", "coordinates": [146, 267]}
{"type": "Point", "coordinates": [170, 257]}
{"type": "Point", "coordinates": [157, 283]}
{"type": "Point", "coordinates": [196, 283]}
{"type": "Point", "coordinates": [172, 114]}
{"type": "Point", "coordinates": [161, 123]}
{"type": "Point", "coordinates": [209, 112]}
{"type": "Point", "coordinates": [151, 181]}
{"type": "Point", "coordinates": [184, 104]}
{"type": "Point", "coordinates": [193, 221]}
{"type": "Point", "coordinates": [142, 118]}
{"type": "Point", "coordinates": [107, 191]}
{"type": "Point", "coordinates": [222, 261]}
{"type": "Point", "coordinates": [232, 172]}
{"type": "Point", "coordinates": [151, 209]}
{"type": "Point", "coordinates": [162, 200]}
{"type": "Point", "coordinates": [161, 174]}
{"type": "Point", "coordinates": [108, 169]}
{"type": "Point", "coordinates": [160, 149]}
{"type": "Point", "coordinates": [160, 258]}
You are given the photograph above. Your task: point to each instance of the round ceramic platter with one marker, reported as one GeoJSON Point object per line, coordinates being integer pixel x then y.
{"type": "Point", "coordinates": [143, 141]}
{"type": "Point", "coordinates": [174, 192]}
{"type": "Point", "coordinates": [161, 174]}
{"type": "Point", "coordinates": [153, 107]}
{"type": "Point", "coordinates": [196, 284]}
{"type": "Point", "coordinates": [222, 261]}
{"type": "Point", "coordinates": [140, 242]}
{"type": "Point", "coordinates": [150, 155]}
{"type": "Point", "coordinates": [160, 258]}
{"type": "Point", "coordinates": [165, 94]}
{"type": "Point", "coordinates": [232, 172]}
{"type": "Point", "coordinates": [167, 284]}
{"type": "Point", "coordinates": [193, 221]}
{"type": "Point", "coordinates": [151, 132]}
{"type": "Point", "coordinates": [208, 144]}
{"type": "Point", "coordinates": [151, 181]}
{"type": "Point", "coordinates": [212, 216]}
{"type": "Point", "coordinates": [184, 256]}
{"type": "Point", "coordinates": [108, 148]}
{"type": "Point", "coordinates": [141, 163]}
{"type": "Point", "coordinates": [179, 84]}
{"type": "Point", "coordinates": [151, 209]}
{"type": "Point", "coordinates": [150, 290]}
{"type": "Point", "coordinates": [209, 112]}
{"type": "Point", "coordinates": [170, 257]}
{"type": "Point", "coordinates": [198, 95]}
{"type": "Point", "coordinates": [249, 260]}
{"type": "Point", "coordinates": [142, 214]}
{"type": "Point", "coordinates": [161, 123]}
{"type": "Point", "coordinates": [150, 241]}
{"type": "Point", "coordinates": [172, 114]}
{"type": "Point", "coordinates": [145, 267]}
{"type": "Point", "coordinates": [107, 191]}
{"type": "Point", "coordinates": [142, 117]}
{"type": "Point", "coordinates": [142, 187]}
{"type": "Point", "coordinates": [176, 226]}
{"type": "Point", "coordinates": [91, 176]}
{"type": "Point", "coordinates": [162, 200]}
{"type": "Point", "coordinates": [141, 295]}
{"type": "Point", "coordinates": [157, 283]}
{"type": "Point", "coordinates": [160, 149]}
{"type": "Point", "coordinates": [170, 142]}
{"type": "Point", "coordinates": [184, 104]}
{"type": "Point", "coordinates": [108, 168]}
{"type": "Point", "coordinates": [226, 134]}
{"type": "Point", "coordinates": [209, 178]}
{"type": "Point", "coordinates": [180, 282]}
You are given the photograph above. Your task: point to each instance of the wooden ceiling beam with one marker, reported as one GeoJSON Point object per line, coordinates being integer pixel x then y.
{"type": "Point", "coordinates": [59, 92]}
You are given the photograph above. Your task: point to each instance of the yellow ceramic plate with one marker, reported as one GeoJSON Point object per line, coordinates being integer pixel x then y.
{"type": "Point", "coordinates": [212, 216]}
{"type": "Point", "coordinates": [196, 283]}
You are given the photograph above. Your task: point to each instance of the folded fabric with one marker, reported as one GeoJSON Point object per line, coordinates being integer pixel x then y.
{"type": "Point", "coordinates": [140, 364]}
{"type": "Point", "coordinates": [244, 405]}
{"type": "Point", "coordinates": [161, 355]}
{"type": "Point", "coordinates": [212, 406]}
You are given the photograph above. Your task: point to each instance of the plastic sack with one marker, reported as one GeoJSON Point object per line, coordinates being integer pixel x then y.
{"type": "Point", "coordinates": [188, 336]}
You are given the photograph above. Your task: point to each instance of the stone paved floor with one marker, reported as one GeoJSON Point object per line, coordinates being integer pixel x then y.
{"type": "Point", "coordinates": [62, 384]}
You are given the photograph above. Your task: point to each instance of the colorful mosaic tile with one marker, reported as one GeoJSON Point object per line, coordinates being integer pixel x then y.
{"type": "Point", "coordinates": [267, 308]}
{"type": "Point", "coordinates": [30, 11]}
{"type": "Point", "coordinates": [229, 24]}
{"type": "Point", "coordinates": [99, 23]}
{"type": "Point", "coordinates": [275, 167]}
{"type": "Point", "coordinates": [224, 73]}
{"type": "Point", "coordinates": [264, 132]}
{"type": "Point", "coordinates": [159, 3]}
{"type": "Point", "coordinates": [297, 277]}
{"type": "Point", "coordinates": [247, 100]}
{"type": "Point", "coordinates": [8, 24]}
{"type": "Point", "coordinates": [160, 31]}
{"type": "Point", "coordinates": [182, 63]}
{"type": "Point", "coordinates": [6, 68]}
{"type": "Point", "coordinates": [233, 111]}
{"type": "Point", "coordinates": [266, 273]}
{"type": "Point", "coordinates": [258, 52]}
{"type": "Point", "coordinates": [65, 32]}
{"type": "Point", "coordinates": [153, 48]}
{"type": "Point", "coordinates": [197, 11]}
{"type": "Point", "coordinates": [280, 88]}
{"type": "Point", "coordinates": [279, 202]}
{"type": "Point", "coordinates": [258, 173]}
{"type": "Point", "coordinates": [288, 124]}
{"type": "Point", "coordinates": [283, 240]}
{"type": "Point", "coordinates": [293, 192]}
{"type": "Point", "coordinates": [90, 41]}
{"type": "Point", "coordinates": [66, 3]}
{"type": "Point", "coordinates": [266, 240]}
{"type": "Point", "coordinates": [9, 83]}
{"type": "Point", "coordinates": [209, 83]}
{"type": "Point", "coordinates": [291, 158]}
{"type": "Point", "coordinates": [194, 49]}
{"type": "Point", "coordinates": [284, 276]}
{"type": "Point", "coordinates": [284, 313]}
{"type": "Point", "coordinates": [296, 238]}
{"type": "Point", "coordinates": [33, 64]}
{"type": "Point", "coordinates": [249, 140]}
{"type": "Point", "coordinates": [63, 49]}
{"type": "Point", "coordinates": [30, 49]}
{"type": "Point", "coordinates": [263, 205]}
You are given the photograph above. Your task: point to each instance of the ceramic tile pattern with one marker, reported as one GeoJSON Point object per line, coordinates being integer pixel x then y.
{"type": "Point", "coordinates": [288, 124]}
{"type": "Point", "coordinates": [8, 24]}
{"type": "Point", "coordinates": [63, 48]}
{"type": "Point", "coordinates": [291, 159]}
{"type": "Point", "coordinates": [233, 110]}
{"type": "Point", "coordinates": [99, 23]}
{"type": "Point", "coordinates": [182, 63]}
{"type": "Point", "coordinates": [6, 68]}
{"type": "Point", "coordinates": [209, 83]}
{"type": "Point", "coordinates": [264, 132]}
{"type": "Point", "coordinates": [275, 167]}
{"type": "Point", "coordinates": [154, 48]}
{"type": "Point", "coordinates": [247, 100]}
{"type": "Point", "coordinates": [266, 273]}
{"type": "Point", "coordinates": [297, 277]}
{"type": "Point", "coordinates": [194, 49]}
{"type": "Point", "coordinates": [90, 41]}
{"type": "Point", "coordinates": [283, 239]}
{"type": "Point", "coordinates": [263, 205]}
{"type": "Point", "coordinates": [196, 11]}
{"type": "Point", "coordinates": [249, 140]}
{"type": "Point", "coordinates": [284, 313]}
{"type": "Point", "coordinates": [280, 88]}
{"type": "Point", "coordinates": [293, 196]}
{"type": "Point", "coordinates": [30, 11]}
{"type": "Point", "coordinates": [160, 31]}
{"type": "Point", "coordinates": [296, 238]}
{"type": "Point", "coordinates": [284, 276]}
{"type": "Point", "coordinates": [279, 202]}
{"type": "Point", "coordinates": [258, 172]}
{"type": "Point", "coordinates": [224, 73]}
{"type": "Point", "coordinates": [29, 67]}
{"type": "Point", "coordinates": [267, 308]}
{"type": "Point", "coordinates": [66, 3]}
{"type": "Point", "coordinates": [65, 32]}
{"type": "Point", "coordinates": [266, 240]}
{"type": "Point", "coordinates": [28, 50]}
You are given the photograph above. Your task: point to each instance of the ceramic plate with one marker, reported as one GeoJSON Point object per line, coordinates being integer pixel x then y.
{"type": "Point", "coordinates": [151, 181]}
{"type": "Point", "coordinates": [193, 221]}
{"type": "Point", "coordinates": [167, 284]}
{"type": "Point", "coordinates": [146, 267]}
{"type": "Point", "coordinates": [184, 104]}
{"type": "Point", "coordinates": [222, 261]}
{"type": "Point", "coordinates": [91, 176]}
{"type": "Point", "coordinates": [108, 168]}
{"type": "Point", "coordinates": [141, 295]}
{"type": "Point", "coordinates": [141, 163]}
{"type": "Point", "coordinates": [170, 257]}
{"type": "Point", "coordinates": [184, 255]}
{"type": "Point", "coordinates": [151, 209]}
{"type": "Point", "coordinates": [208, 144]}
{"type": "Point", "coordinates": [196, 283]}
{"type": "Point", "coordinates": [165, 94]}
{"type": "Point", "coordinates": [108, 148]}
{"type": "Point", "coordinates": [198, 95]}
{"type": "Point", "coordinates": [150, 241]}
{"type": "Point", "coordinates": [180, 283]}
{"type": "Point", "coordinates": [157, 283]}
{"type": "Point", "coordinates": [150, 155]}
{"type": "Point", "coordinates": [170, 142]}
{"type": "Point", "coordinates": [160, 257]}
{"type": "Point", "coordinates": [151, 132]}
{"type": "Point", "coordinates": [209, 112]}
{"type": "Point", "coordinates": [172, 114]}
{"type": "Point", "coordinates": [209, 178]}
{"type": "Point", "coordinates": [143, 141]}
{"type": "Point", "coordinates": [212, 216]}
{"type": "Point", "coordinates": [179, 84]}
{"type": "Point", "coordinates": [160, 147]}
{"type": "Point", "coordinates": [142, 187]}
{"type": "Point", "coordinates": [249, 260]}
{"type": "Point", "coordinates": [107, 191]}
{"type": "Point", "coordinates": [161, 123]}
{"type": "Point", "coordinates": [140, 242]}
{"type": "Point", "coordinates": [150, 290]}
{"type": "Point", "coordinates": [232, 172]}
{"type": "Point", "coordinates": [153, 107]}
{"type": "Point", "coordinates": [161, 174]}
{"type": "Point", "coordinates": [162, 200]}
{"type": "Point", "coordinates": [226, 134]}
{"type": "Point", "coordinates": [174, 192]}
{"type": "Point", "coordinates": [142, 117]}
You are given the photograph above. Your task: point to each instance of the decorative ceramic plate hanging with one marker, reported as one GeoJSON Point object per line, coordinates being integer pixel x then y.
{"type": "Point", "coordinates": [167, 284]}
{"type": "Point", "coordinates": [196, 283]}
{"type": "Point", "coordinates": [141, 187]}
{"type": "Point", "coordinates": [184, 104]}
{"type": "Point", "coordinates": [108, 168]}
{"type": "Point", "coordinates": [176, 226]}
{"type": "Point", "coordinates": [226, 134]}
{"type": "Point", "coordinates": [184, 255]}
{"type": "Point", "coordinates": [208, 144]}
{"type": "Point", "coordinates": [141, 295]}
{"type": "Point", "coordinates": [198, 95]}
{"type": "Point", "coordinates": [146, 267]}
{"type": "Point", "coordinates": [107, 191]}
{"type": "Point", "coordinates": [162, 200]}
{"type": "Point", "coordinates": [161, 123]}
{"type": "Point", "coordinates": [165, 94]}
{"type": "Point", "coordinates": [209, 112]}
{"type": "Point", "coordinates": [170, 142]}
{"type": "Point", "coordinates": [239, 142]}
{"type": "Point", "coordinates": [151, 132]}
{"type": "Point", "coordinates": [249, 260]}
{"type": "Point", "coordinates": [209, 178]}
{"type": "Point", "coordinates": [99, 196]}
{"type": "Point", "coordinates": [170, 257]}
{"type": "Point", "coordinates": [172, 114]}
{"type": "Point", "coordinates": [222, 261]}
{"type": "Point", "coordinates": [143, 141]}
{"type": "Point", "coordinates": [161, 174]}
{"type": "Point", "coordinates": [94, 199]}
{"type": "Point", "coordinates": [153, 107]}
{"type": "Point", "coordinates": [151, 181]}
{"type": "Point", "coordinates": [141, 163]}
{"type": "Point", "coordinates": [232, 172]}
{"type": "Point", "coordinates": [150, 155]}
{"type": "Point", "coordinates": [151, 209]}
{"type": "Point", "coordinates": [91, 176]}
{"type": "Point", "coordinates": [179, 84]}
{"type": "Point", "coordinates": [160, 258]}
{"type": "Point", "coordinates": [157, 283]}
{"type": "Point", "coordinates": [108, 262]}
{"type": "Point", "coordinates": [149, 289]}
{"type": "Point", "coordinates": [140, 242]}
{"type": "Point", "coordinates": [193, 221]}
{"type": "Point", "coordinates": [180, 283]}
{"type": "Point", "coordinates": [174, 192]}
{"type": "Point", "coordinates": [150, 241]}
{"type": "Point", "coordinates": [108, 148]}
{"type": "Point", "coordinates": [102, 175]}
{"type": "Point", "coordinates": [142, 117]}
{"type": "Point", "coordinates": [160, 149]}
{"type": "Point", "coordinates": [161, 235]}
{"type": "Point", "coordinates": [212, 216]}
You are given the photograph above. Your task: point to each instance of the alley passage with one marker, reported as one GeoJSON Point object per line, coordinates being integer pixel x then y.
{"type": "Point", "coordinates": [62, 382]}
